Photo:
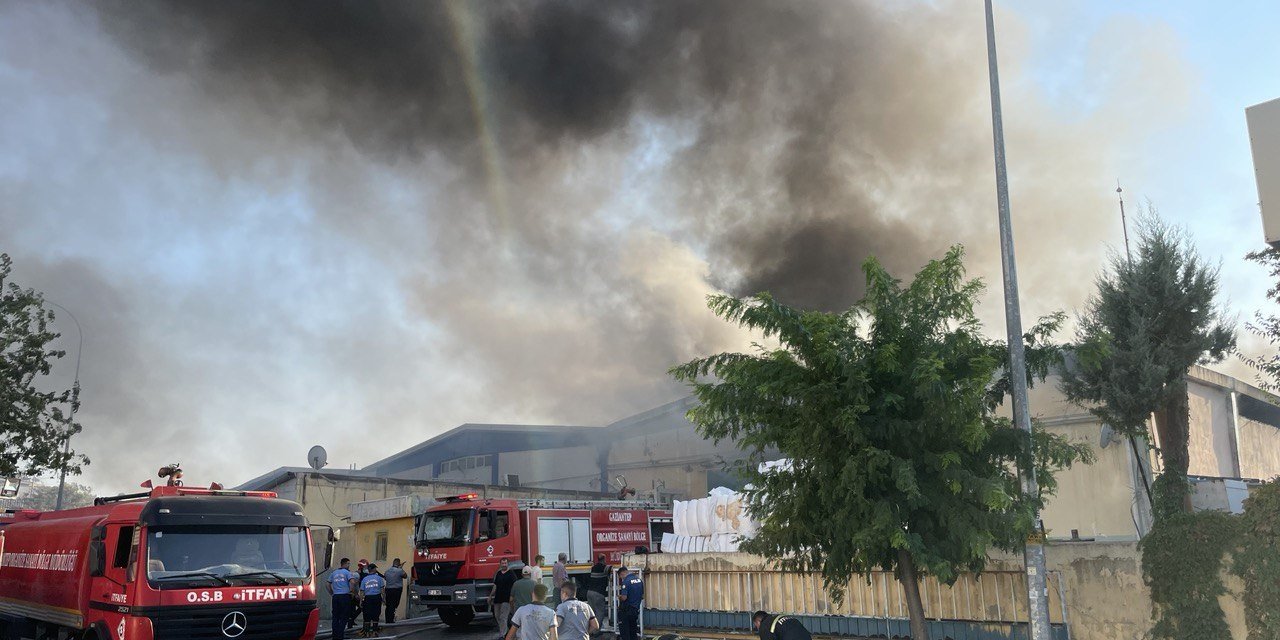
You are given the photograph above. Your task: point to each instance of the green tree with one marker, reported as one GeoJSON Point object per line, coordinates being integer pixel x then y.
{"type": "Point", "coordinates": [34, 421]}
{"type": "Point", "coordinates": [1257, 561]}
{"type": "Point", "coordinates": [1152, 317]}
{"type": "Point", "coordinates": [889, 414]}
{"type": "Point", "coordinates": [1267, 326]}
{"type": "Point", "coordinates": [42, 496]}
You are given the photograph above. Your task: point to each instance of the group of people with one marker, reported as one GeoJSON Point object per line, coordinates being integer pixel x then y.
{"type": "Point", "coordinates": [520, 607]}
{"type": "Point", "coordinates": [519, 602]}
{"type": "Point", "coordinates": [369, 588]}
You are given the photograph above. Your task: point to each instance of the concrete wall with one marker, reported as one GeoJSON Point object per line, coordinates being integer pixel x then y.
{"type": "Point", "coordinates": [1096, 500]}
{"type": "Point", "coordinates": [572, 468]}
{"type": "Point", "coordinates": [1106, 597]}
{"type": "Point", "coordinates": [1210, 446]}
{"type": "Point", "coordinates": [324, 499]}
{"type": "Point", "coordinates": [399, 541]}
{"type": "Point", "coordinates": [475, 475]}
{"type": "Point", "coordinates": [1259, 450]}
{"type": "Point", "coordinates": [678, 456]}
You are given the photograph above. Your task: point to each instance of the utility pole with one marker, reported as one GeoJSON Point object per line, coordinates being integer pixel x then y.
{"type": "Point", "coordinates": [1124, 222]}
{"type": "Point", "coordinates": [1033, 553]}
{"type": "Point", "coordinates": [1138, 458]}
{"type": "Point", "coordinates": [75, 404]}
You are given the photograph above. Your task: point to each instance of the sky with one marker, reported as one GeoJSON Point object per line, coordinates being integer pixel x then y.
{"type": "Point", "coordinates": [365, 227]}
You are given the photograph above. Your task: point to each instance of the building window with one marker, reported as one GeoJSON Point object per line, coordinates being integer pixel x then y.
{"type": "Point", "coordinates": [380, 546]}
{"type": "Point", "coordinates": [466, 463]}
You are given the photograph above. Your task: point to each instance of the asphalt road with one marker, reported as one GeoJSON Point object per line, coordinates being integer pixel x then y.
{"type": "Point", "coordinates": [429, 628]}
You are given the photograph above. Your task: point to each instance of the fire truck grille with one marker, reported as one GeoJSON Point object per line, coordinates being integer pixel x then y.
{"type": "Point", "coordinates": [274, 621]}
{"type": "Point", "coordinates": [431, 574]}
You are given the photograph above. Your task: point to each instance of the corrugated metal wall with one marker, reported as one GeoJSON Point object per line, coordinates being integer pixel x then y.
{"type": "Point", "coordinates": [718, 592]}
{"type": "Point", "coordinates": [994, 596]}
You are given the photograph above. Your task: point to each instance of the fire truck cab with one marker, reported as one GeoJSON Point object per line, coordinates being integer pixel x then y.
{"type": "Point", "coordinates": [461, 542]}
{"type": "Point", "coordinates": [173, 563]}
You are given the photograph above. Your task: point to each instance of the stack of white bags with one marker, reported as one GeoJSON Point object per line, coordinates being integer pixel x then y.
{"type": "Point", "coordinates": [717, 523]}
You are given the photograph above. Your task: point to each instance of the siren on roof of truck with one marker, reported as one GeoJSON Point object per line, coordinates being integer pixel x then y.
{"type": "Point", "coordinates": [462, 498]}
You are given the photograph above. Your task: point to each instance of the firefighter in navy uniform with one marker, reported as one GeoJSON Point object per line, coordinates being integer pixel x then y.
{"type": "Point", "coordinates": [778, 627]}
{"type": "Point", "coordinates": [630, 600]}
{"type": "Point", "coordinates": [371, 587]}
{"type": "Point", "coordinates": [341, 584]}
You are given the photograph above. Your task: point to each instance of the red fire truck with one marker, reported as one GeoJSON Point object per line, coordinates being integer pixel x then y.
{"type": "Point", "coordinates": [173, 563]}
{"type": "Point", "coordinates": [460, 543]}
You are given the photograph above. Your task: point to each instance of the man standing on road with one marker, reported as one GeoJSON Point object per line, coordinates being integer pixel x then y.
{"type": "Point", "coordinates": [599, 578]}
{"type": "Point", "coordinates": [340, 583]}
{"type": "Point", "coordinates": [534, 621]}
{"type": "Point", "coordinates": [371, 588]}
{"type": "Point", "coordinates": [500, 596]}
{"type": "Point", "coordinates": [559, 573]}
{"type": "Point", "coordinates": [630, 600]}
{"type": "Point", "coordinates": [597, 587]}
{"type": "Point", "coordinates": [776, 627]}
{"type": "Point", "coordinates": [574, 618]}
{"type": "Point", "coordinates": [362, 569]}
{"type": "Point", "coordinates": [537, 568]}
{"type": "Point", "coordinates": [395, 588]}
{"type": "Point", "coordinates": [522, 590]}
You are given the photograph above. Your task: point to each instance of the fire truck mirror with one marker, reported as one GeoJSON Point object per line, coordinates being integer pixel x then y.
{"type": "Point", "coordinates": [97, 558]}
{"type": "Point", "coordinates": [97, 551]}
{"type": "Point", "coordinates": [330, 540]}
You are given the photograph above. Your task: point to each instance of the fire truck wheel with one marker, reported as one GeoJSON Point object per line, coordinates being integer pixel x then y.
{"type": "Point", "coordinates": [456, 616]}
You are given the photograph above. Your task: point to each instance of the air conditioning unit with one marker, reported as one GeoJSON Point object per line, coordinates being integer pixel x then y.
{"type": "Point", "coordinates": [513, 479]}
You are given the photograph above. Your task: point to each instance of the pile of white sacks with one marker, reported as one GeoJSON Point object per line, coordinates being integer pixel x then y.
{"type": "Point", "coordinates": [717, 523]}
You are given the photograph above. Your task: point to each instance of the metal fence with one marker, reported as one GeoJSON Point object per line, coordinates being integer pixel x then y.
{"type": "Point", "coordinates": [991, 597]}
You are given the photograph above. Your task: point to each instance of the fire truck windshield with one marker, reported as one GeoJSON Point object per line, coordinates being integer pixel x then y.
{"type": "Point", "coordinates": [445, 528]}
{"type": "Point", "coordinates": [179, 556]}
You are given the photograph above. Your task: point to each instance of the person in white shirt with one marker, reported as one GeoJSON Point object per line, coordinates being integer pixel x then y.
{"type": "Point", "coordinates": [536, 569]}
{"type": "Point", "coordinates": [575, 619]}
{"type": "Point", "coordinates": [534, 621]}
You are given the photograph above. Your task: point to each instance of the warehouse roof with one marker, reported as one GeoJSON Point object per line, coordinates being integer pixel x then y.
{"type": "Point", "coordinates": [484, 439]}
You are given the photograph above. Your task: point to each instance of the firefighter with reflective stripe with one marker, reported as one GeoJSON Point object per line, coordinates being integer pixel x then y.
{"type": "Point", "coordinates": [371, 598]}
{"type": "Point", "coordinates": [779, 627]}
{"type": "Point", "coordinates": [340, 586]}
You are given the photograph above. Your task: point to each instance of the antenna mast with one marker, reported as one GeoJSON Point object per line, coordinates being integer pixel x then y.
{"type": "Point", "coordinates": [1124, 222]}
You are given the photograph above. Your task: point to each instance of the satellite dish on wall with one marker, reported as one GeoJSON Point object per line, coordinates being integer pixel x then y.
{"type": "Point", "coordinates": [317, 457]}
{"type": "Point", "coordinates": [1107, 436]}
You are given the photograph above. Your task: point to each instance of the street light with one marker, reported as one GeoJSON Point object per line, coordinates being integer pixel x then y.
{"type": "Point", "coordinates": [1033, 553]}
{"type": "Point", "coordinates": [75, 403]}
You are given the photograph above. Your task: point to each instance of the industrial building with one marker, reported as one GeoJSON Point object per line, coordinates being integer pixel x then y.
{"type": "Point", "coordinates": [657, 453]}
{"type": "Point", "coordinates": [1234, 433]}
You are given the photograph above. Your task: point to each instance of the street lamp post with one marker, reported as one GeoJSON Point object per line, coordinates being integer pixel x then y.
{"type": "Point", "coordinates": [1033, 554]}
{"type": "Point", "coordinates": [75, 403]}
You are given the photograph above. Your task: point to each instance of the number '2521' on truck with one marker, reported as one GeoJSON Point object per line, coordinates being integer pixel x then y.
{"type": "Point", "coordinates": [460, 543]}
{"type": "Point", "coordinates": [176, 563]}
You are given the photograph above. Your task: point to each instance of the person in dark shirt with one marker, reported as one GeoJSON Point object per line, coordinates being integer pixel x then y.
{"type": "Point", "coordinates": [778, 627]}
{"type": "Point", "coordinates": [598, 581]}
{"type": "Point", "coordinates": [597, 588]}
{"type": "Point", "coordinates": [500, 596]}
{"type": "Point", "coordinates": [630, 600]}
